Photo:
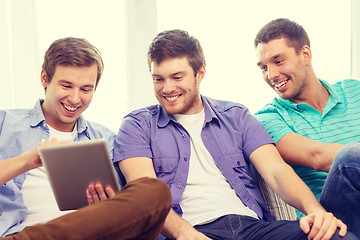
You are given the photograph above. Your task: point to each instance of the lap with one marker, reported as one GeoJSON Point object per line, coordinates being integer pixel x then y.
{"type": "Point", "coordinates": [243, 227]}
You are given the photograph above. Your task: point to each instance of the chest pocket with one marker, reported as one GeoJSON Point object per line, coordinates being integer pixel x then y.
{"type": "Point", "coordinates": [241, 167]}
{"type": "Point", "coordinates": [165, 168]}
{"type": "Point", "coordinates": [236, 161]}
{"type": "Point", "coordinates": [166, 154]}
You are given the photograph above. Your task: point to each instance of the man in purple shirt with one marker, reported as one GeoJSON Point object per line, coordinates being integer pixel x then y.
{"type": "Point", "coordinates": [203, 148]}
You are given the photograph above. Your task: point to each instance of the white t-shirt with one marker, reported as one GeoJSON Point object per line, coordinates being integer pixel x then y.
{"type": "Point", "coordinates": [207, 195]}
{"type": "Point", "coordinates": [36, 189]}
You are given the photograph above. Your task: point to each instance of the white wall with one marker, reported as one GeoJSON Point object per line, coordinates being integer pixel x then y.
{"type": "Point", "coordinates": [123, 30]}
{"type": "Point", "coordinates": [355, 39]}
{"type": "Point", "coordinates": [226, 29]}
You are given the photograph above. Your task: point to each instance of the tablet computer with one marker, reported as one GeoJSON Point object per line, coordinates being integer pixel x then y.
{"type": "Point", "coordinates": [71, 167]}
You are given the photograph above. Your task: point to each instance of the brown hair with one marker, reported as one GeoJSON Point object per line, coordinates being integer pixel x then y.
{"type": "Point", "coordinates": [283, 28]}
{"type": "Point", "coordinates": [72, 51]}
{"type": "Point", "coordinates": [176, 43]}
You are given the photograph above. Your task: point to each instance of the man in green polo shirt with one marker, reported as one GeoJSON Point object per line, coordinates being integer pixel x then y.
{"type": "Point", "coordinates": [312, 120]}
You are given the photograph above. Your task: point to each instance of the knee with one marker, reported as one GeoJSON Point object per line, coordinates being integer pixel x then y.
{"type": "Point", "coordinates": [161, 188]}
{"type": "Point", "coordinates": [348, 155]}
{"type": "Point", "coordinates": [348, 236]}
{"type": "Point", "coordinates": [155, 190]}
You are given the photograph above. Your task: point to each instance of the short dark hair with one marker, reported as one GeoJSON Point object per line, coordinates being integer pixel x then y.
{"type": "Point", "coordinates": [294, 33]}
{"type": "Point", "coordinates": [72, 51]}
{"type": "Point", "coordinates": [176, 43]}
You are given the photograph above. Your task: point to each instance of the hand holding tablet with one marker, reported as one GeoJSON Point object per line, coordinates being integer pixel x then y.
{"type": "Point", "coordinates": [71, 167]}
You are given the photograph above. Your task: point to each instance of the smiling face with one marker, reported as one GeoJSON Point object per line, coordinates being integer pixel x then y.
{"type": "Point", "coordinates": [176, 88]}
{"type": "Point", "coordinates": [67, 95]}
{"type": "Point", "coordinates": [283, 69]}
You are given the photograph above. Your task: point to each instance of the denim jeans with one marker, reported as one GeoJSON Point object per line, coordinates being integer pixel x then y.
{"type": "Point", "coordinates": [248, 228]}
{"type": "Point", "coordinates": [341, 191]}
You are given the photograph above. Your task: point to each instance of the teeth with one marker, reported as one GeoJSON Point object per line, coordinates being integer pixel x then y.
{"type": "Point", "coordinates": [281, 84]}
{"type": "Point", "coordinates": [172, 98]}
{"type": "Point", "coordinates": [70, 108]}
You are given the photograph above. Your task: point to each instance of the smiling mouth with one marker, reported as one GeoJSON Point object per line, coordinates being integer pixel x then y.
{"type": "Point", "coordinates": [172, 98]}
{"type": "Point", "coordinates": [69, 108]}
{"type": "Point", "coordinates": [279, 85]}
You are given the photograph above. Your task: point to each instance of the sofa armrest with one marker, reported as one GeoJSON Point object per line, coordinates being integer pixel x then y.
{"type": "Point", "coordinates": [278, 208]}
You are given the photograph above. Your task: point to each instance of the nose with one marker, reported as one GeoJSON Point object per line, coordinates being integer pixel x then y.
{"type": "Point", "coordinates": [272, 73]}
{"type": "Point", "coordinates": [169, 86]}
{"type": "Point", "coordinates": [74, 96]}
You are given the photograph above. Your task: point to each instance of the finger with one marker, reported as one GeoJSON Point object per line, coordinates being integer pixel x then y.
{"type": "Point", "coordinates": [327, 223]}
{"type": "Point", "coordinates": [305, 224]}
{"type": "Point", "coordinates": [100, 191]}
{"type": "Point", "coordinates": [330, 231]}
{"type": "Point", "coordinates": [93, 193]}
{"type": "Point", "coordinates": [327, 228]}
{"type": "Point", "coordinates": [89, 197]}
{"type": "Point", "coordinates": [109, 192]}
{"type": "Point", "coordinates": [316, 226]}
{"type": "Point", "coordinates": [342, 226]}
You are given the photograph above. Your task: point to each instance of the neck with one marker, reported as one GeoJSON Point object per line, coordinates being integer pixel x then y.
{"type": "Point", "coordinates": [315, 95]}
{"type": "Point", "coordinates": [57, 124]}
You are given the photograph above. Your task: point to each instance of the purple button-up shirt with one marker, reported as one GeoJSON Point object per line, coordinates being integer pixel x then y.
{"type": "Point", "coordinates": [230, 134]}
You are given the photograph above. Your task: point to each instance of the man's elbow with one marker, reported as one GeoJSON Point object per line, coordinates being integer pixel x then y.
{"type": "Point", "coordinates": [318, 163]}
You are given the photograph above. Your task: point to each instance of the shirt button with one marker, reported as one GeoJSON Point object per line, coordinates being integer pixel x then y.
{"type": "Point", "coordinates": [238, 162]}
{"type": "Point", "coordinates": [184, 135]}
{"type": "Point", "coordinates": [175, 208]}
{"type": "Point", "coordinates": [185, 159]}
{"type": "Point", "coordinates": [180, 186]}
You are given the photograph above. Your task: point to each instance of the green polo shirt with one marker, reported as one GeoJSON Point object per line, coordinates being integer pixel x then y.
{"type": "Point", "coordinates": [339, 123]}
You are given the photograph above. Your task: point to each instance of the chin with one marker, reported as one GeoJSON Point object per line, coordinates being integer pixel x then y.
{"type": "Point", "coordinates": [172, 110]}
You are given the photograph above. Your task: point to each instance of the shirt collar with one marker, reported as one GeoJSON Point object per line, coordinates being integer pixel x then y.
{"type": "Point", "coordinates": [333, 95]}
{"type": "Point", "coordinates": [38, 118]}
{"type": "Point", "coordinates": [37, 114]}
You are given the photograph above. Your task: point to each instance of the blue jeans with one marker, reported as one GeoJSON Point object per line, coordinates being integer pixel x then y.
{"type": "Point", "coordinates": [248, 228]}
{"type": "Point", "coordinates": [341, 191]}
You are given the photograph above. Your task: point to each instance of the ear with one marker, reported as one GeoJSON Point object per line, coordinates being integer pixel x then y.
{"type": "Point", "coordinates": [201, 74]}
{"type": "Point", "coordinates": [306, 52]}
{"type": "Point", "coordinates": [43, 77]}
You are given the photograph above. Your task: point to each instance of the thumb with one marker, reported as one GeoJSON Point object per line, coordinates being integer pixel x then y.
{"type": "Point", "coordinates": [305, 224]}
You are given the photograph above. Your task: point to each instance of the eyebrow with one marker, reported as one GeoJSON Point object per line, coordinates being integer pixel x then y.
{"type": "Point", "coordinates": [68, 82]}
{"type": "Point", "coordinates": [173, 74]}
{"type": "Point", "coordinates": [272, 58]}
{"type": "Point", "coordinates": [276, 56]}
{"type": "Point", "coordinates": [177, 73]}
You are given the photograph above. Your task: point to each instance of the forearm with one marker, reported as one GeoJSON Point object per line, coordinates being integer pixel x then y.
{"type": "Point", "coordinates": [175, 227]}
{"type": "Point", "coordinates": [323, 155]}
{"type": "Point", "coordinates": [294, 191]}
{"type": "Point", "coordinates": [299, 150]}
{"type": "Point", "coordinates": [12, 167]}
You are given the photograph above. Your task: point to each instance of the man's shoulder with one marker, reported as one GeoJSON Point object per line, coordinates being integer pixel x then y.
{"type": "Point", "coordinates": [144, 117]}
{"type": "Point", "coordinates": [16, 115]}
{"type": "Point", "coordinates": [277, 105]}
{"type": "Point", "coordinates": [97, 126]}
{"type": "Point", "coordinates": [223, 105]}
{"type": "Point", "coordinates": [145, 112]}
{"type": "Point", "coordinates": [347, 83]}
{"type": "Point", "coordinates": [99, 131]}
